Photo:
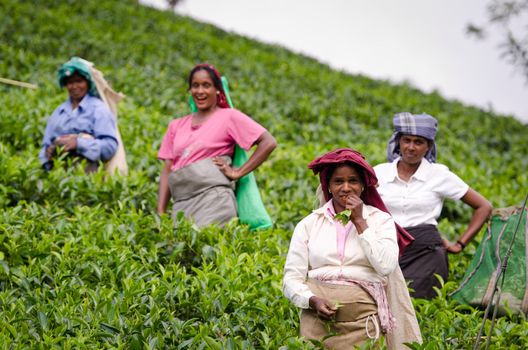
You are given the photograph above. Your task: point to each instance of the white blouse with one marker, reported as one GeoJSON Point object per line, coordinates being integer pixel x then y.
{"type": "Point", "coordinates": [420, 200]}
{"type": "Point", "coordinates": [313, 252]}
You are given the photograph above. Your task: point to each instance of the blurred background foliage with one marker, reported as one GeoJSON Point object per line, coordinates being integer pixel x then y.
{"type": "Point", "coordinates": [85, 262]}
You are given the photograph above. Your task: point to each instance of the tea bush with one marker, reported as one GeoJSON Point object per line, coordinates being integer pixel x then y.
{"type": "Point", "coordinates": [86, 262]}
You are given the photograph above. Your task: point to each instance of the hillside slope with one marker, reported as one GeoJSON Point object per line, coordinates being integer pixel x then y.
{"type": "Point", "coordinates": [86, 261]}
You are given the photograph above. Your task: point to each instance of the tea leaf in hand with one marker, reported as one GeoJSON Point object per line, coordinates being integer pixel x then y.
{"type": "Point", "coordinates": [343, 217]}
{"type": "Point", "coordinates": [337, 304]}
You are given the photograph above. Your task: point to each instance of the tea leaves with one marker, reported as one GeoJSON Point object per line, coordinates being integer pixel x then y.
{"type": "Point", "coordinates": [86, 262]}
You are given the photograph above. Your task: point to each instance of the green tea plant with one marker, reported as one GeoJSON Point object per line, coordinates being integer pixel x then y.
{"type": "Point", "coordinates": [86, 263]}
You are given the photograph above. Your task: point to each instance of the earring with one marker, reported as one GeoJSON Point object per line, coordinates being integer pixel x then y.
{"type": "Point", "coordinates": [218, 92]}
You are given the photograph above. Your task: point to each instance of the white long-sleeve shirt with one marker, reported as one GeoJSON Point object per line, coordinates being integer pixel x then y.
{"type": "Point", "coordinates": [313, 252]}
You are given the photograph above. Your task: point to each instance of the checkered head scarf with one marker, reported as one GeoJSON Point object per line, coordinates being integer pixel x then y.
{"type": "Point", "coordinates": [406, 123]}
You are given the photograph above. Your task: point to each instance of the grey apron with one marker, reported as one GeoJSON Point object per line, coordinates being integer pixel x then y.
{"type": "Point", "coordinates": [203, 193]}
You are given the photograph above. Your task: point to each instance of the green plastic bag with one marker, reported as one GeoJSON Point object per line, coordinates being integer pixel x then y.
{"type": "Point", "coordinates": [250, 208]}
{"type": "Point", "coordinates": [477, 285]}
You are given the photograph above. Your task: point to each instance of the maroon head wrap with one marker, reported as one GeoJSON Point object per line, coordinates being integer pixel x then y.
{"type": "Point", "coordinates": [221, 99]}
{"type": "Point", "coordinates": [370, 195]}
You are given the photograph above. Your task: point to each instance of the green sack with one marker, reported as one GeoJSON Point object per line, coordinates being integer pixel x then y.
{"type": "Point", "coordinates": [477, 285]}
{"type": "Point", "coordinates": [250, 209]}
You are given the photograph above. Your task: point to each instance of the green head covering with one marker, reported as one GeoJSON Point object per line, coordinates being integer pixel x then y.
{"type": "Point", "coordinates": [76, 65]}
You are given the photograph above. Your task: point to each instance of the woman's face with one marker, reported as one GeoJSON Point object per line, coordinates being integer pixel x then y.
{"type": "Point", "coordinates": [345, 180]}
{"type": "Point", "coordinates": [77, 87]}
{"type": "Point", "coordinates": [413, 148]}
{"type": "Point", "coordinates": [203, 91]}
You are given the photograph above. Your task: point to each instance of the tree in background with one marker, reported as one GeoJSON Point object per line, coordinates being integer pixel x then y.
{"type": "Point", "coordinates": [173, 3]}
{"type": "Point", "coordinates": [511, 18]}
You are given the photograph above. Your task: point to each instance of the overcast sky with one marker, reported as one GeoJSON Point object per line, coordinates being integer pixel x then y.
{"type": "Point", "coordinates": [420, 41]}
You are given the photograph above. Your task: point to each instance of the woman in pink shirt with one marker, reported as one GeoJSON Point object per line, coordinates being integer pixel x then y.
{"type": "Point", "coordinates": [197, 151]}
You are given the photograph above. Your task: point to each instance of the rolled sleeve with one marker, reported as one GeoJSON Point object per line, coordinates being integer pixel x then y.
{"type": "Point", "coordinates": [96, 149]}
{"type": "Point", "coordinates": [244, 130]}
{"type": "Point", "coordinates": [166, 149]}
{"type": "Point", "coordinates": [452, 186]}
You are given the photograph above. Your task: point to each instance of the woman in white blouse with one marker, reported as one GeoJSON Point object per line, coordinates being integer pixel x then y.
{"type": "Point", "coordinates": [413, 187]}
{"type": "Point", "coordinates": [340, 256]}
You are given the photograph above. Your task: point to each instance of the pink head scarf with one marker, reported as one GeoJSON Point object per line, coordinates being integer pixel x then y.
{"type": "Point", "coordinates": [370, 195]}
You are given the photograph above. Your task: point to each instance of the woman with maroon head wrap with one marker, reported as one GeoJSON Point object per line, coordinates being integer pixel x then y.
{"type": "Point", "coordinates": [197, 150]}
{"type": "Point", "coordinates": [341, 256]}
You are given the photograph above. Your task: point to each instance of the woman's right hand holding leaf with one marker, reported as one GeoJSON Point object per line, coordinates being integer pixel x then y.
{"type": "Point", "coordinates": [323, 307]}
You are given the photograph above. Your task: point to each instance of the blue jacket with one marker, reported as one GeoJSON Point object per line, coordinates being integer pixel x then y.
{"type": "Point", "coordinates": [92, 117]}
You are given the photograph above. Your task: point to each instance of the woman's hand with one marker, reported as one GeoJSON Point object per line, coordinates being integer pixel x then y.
{"type": "Point", "coordinates": [68, 142]}
{"type": "Point", "coordinates": [50, 151]}
{"type": "Point", "coordinates": [453, 248]}
{"type": "Point", "coordinates": [230, 172]}
{"type": "Point", "coordinates": [355, 205]}
{"type": "Point", "coordinates": [265, 145]}
{"type": "Point", "coordinates": [322, 307]}
{"type": "Point", "coordinates": [481, 213]}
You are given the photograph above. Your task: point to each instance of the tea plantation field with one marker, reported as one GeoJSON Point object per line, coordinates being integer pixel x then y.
{"type": "Point", "coordinates": [85, 263]}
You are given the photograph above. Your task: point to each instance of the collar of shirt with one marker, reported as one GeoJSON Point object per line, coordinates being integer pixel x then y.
{"type": "Point", "coordinates": [342, 231]}
{"type": "Point", "coordinates": [67, 107]}
{"type": "Point", "coordinates": [420, 174]}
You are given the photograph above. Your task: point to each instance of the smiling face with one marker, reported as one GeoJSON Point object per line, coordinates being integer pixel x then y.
{"type": "Point", "coordinates": [203, 91]}
{"type": "Point", "coordinates": [345, 180]}
{"type": "Point", "coordinates": [77, 87]}
{"type": "Point", "coordinates": [413, 149]}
